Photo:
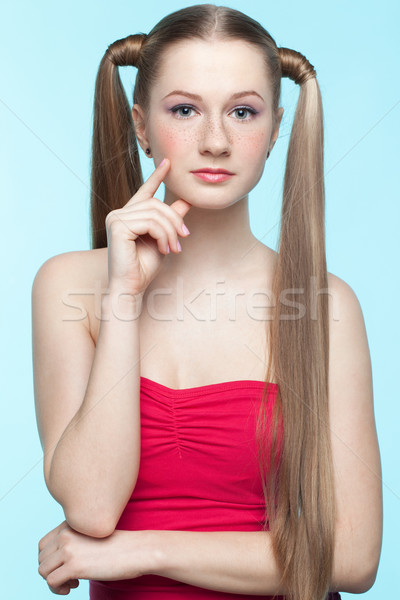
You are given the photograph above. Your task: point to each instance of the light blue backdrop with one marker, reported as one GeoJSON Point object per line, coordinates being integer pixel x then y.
{"type": "Point", "coordinates": [50, 52]}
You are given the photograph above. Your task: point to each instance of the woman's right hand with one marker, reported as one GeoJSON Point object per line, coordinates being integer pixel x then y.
{"type": "Point", "coordinates": [134, 261]}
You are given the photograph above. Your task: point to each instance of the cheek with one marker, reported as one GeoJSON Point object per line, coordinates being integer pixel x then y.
{"type": "Point", "coordinates": [253, 144]}
{"type": "Point", "coordinates": [173, 141]}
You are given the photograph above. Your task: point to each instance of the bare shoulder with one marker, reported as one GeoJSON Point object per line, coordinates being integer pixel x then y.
{"type": "Point", "coordinates": [342, 295]}
{"type": "Point", "coordinates": [350, 361]}
{"type": "Point", "coordinates": [78, 265]}
{"type": "Point", "coordinates": [75, 279]}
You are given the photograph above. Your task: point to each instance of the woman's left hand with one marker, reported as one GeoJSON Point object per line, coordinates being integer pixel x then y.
{"type": "Point", "coordinates": [65, 555]}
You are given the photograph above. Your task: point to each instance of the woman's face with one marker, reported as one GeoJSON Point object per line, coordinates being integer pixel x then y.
{"type": "Point", "coordinates": [211, 107]}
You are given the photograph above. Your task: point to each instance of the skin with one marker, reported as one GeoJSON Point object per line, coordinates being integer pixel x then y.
{"type": "Point", "coordinates": [212, 134]}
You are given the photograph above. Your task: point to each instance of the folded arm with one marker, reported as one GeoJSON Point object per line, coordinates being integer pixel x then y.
{"type": "Point", "coordinates": [239, 562]}
{"type": "Point", "coordinates": [227, 561]}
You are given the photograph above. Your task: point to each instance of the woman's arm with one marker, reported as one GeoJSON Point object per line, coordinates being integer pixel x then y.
{"type": "Point", "coordinates": [355, 448]}
{"type": "Point", "coordinates": [231, 561]}
{"type": "Point", "coordinates": [238, 562]}
{"type": "Point", "coordinates": [87, 397]}
{"type": "Point", "coordinates": [227, 561]}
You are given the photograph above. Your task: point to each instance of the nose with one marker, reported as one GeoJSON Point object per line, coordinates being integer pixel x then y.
{"type": "Point", "coordinates": [214, 138]}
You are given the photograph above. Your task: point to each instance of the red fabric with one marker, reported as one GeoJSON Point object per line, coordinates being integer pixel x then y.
{"type": "Point", "coordinates": [198, 472]}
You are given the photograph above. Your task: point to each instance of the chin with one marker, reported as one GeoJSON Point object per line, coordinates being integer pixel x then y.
{"type": "Point", "coordinates": [207, 201]}
{"type": "Point", "coordinates": [207, 197]}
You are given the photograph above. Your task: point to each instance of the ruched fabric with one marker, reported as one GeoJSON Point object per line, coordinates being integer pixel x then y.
{"type": "Point", "coordinates": [198, 472]}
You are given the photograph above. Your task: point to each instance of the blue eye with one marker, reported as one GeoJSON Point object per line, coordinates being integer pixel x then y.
{"type": "Point", "coordinates": [181, 107]}
{"type": "Point", "coordinates": [245, 109]}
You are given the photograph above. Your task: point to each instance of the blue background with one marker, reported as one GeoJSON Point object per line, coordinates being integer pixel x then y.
{"type": "Point", "coordinates": [50, 53]}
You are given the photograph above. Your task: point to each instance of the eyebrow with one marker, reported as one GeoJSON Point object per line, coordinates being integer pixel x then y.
{"type": "Point", "coordinates": [197, 97]}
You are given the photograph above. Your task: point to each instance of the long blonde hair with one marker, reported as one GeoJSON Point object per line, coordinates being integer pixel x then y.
{"type": "Point", "coordinates": [296, 468]}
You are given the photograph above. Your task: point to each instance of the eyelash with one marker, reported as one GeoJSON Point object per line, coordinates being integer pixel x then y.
{"type": "Point", "coordinates": [248, 108]}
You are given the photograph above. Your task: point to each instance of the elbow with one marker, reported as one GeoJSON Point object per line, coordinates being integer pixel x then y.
{"type": "Point", "coordinates": [369, 572]}
{"type": "Point", "coordinates": [357, 555]}
{"type": "Point", "coordinates": [356, 568]}
{"type": "Point", "coordinates": [363, 581]}
{"type": "Point", "coordinates": [368, 566]}
{"type": "Point", "coordinates": [91, 520]}
{"type": "Point", "coordinates": [363, 576]}
{"type": "Point", "coordinates": [97, 527]}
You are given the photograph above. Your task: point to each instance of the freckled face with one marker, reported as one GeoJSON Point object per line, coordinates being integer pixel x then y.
{"type": "Point", "coordinates": [215, 130]}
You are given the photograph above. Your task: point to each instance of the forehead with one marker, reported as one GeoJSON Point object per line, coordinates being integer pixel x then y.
{"type": "Point", "coordinates": [212, 67]}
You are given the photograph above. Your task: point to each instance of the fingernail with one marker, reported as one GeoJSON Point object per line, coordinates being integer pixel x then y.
{"type": "Point", "coordinates": [179, 246]}
{"type": "Point", "coordinates": [168, 249]}
{"type": "Point", "coordinates": [185, 229]}
{"type": "Point", "coordinates": [162, 162]}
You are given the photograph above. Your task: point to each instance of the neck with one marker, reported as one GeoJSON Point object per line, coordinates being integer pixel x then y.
{"type": "Point", "coordinates": [220, 243]}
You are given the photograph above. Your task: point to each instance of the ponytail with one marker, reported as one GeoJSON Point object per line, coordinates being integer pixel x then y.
{"type": "Point", "coordinates": [116, 173]}
{"type": "Point", "coordinates": [304, 516]}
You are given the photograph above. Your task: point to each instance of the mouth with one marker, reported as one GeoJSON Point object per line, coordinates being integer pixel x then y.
{"type": "Point", "coordinates": [213, 175]}
{"type": "Point", "coordinates": [216, 171]}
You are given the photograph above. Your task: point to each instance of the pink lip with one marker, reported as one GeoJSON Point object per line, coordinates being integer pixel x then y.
{"type": "Point", "coordinates": [209, 170]}
{"type": "Point", "coordinates": [213, 175]}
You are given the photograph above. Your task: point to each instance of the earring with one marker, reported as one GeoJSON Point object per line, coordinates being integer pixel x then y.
{"type": "Point", "coordinates": [148, 151]}
{"type": "Point", "coordinates": [268, 154]}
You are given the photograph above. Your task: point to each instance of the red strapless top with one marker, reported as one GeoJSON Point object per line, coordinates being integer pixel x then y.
{"type": "Point", "coordinates": [198, 472]}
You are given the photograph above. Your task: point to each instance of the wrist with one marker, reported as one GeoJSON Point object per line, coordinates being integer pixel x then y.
{"type": "Point", "coordinates": [118, 302]}
{"type": "Point", "coordinates": [153, 553]}
{"type": "Point", "coordinates": [137, 553]}
{"type": "Point", "coordinates": [127, 554]}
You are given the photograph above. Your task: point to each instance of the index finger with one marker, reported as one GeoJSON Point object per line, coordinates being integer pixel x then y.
{"type": "Point", "coordinates": [152, 183]}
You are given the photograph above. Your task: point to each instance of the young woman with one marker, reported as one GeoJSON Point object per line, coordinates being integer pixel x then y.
{"type": "Point", "coordinates": [202, 442]}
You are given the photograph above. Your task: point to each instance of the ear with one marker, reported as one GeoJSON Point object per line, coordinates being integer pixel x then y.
{"type": "Point", "coordinates": [139, 123]}
{"type": "Point", "coordinates": [275, 132]}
